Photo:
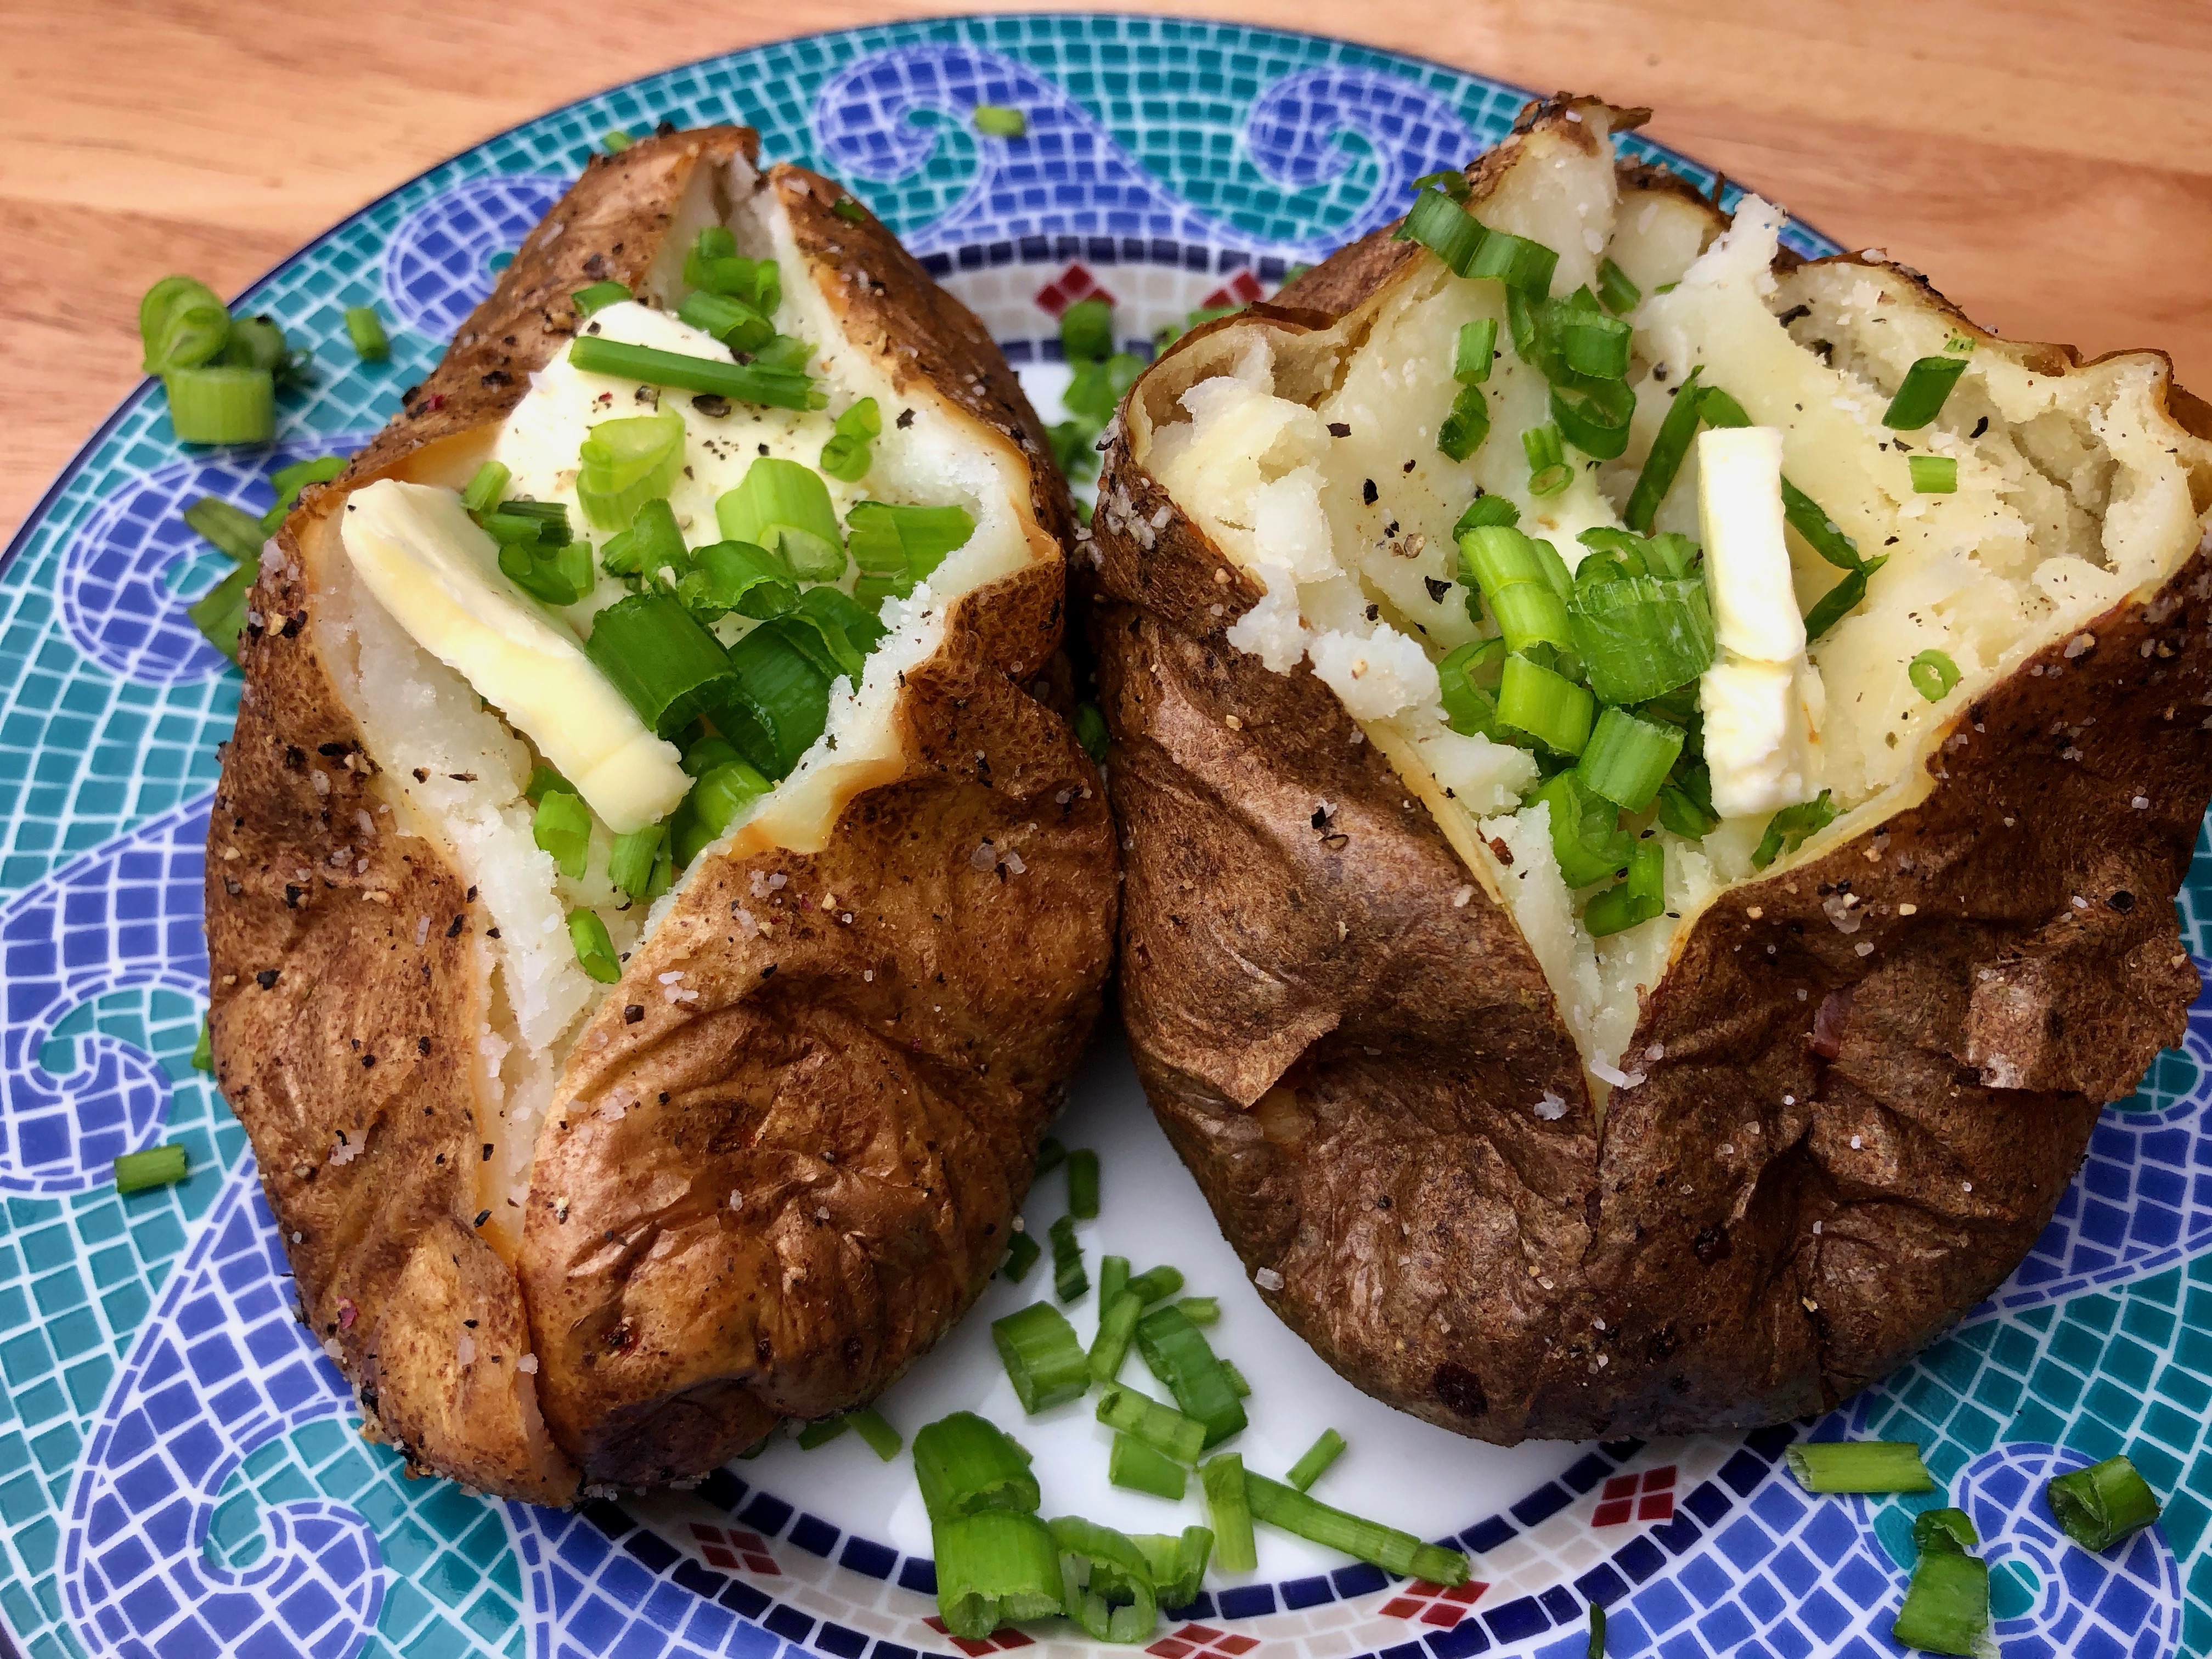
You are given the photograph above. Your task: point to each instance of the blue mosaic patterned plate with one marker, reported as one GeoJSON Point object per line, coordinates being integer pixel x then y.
{"type": "Point", "coordinates": [180, 1470]}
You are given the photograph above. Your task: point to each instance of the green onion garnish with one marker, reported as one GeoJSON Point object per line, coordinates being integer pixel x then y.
{"type": "Point", "coordinates": [642, 863]}
{"type": "Point", "coordinates": [994, 1568]}
{"type": "Point", "coordinates": [232, 529]}
{"type": "Point", "coordinates": [1021, 1254]}
{"type": "Point", "coordinates": [1635, 900]}
{"type": "Point", "coordinates": [744, 383]}
{"type": "Point", "coordinates": [1069, 1280]}
{"type": "Point", "coordinates": [1947, 1605]}
{"type": "Point", "coordinates": [1307, 1518]}
{"type": "Point", "coordinates": [1525, 267]}
{"type": "Point", "coordinates": [597, 296]}
{"type": "Point", "coordinates": [1594, 418]}
{"type": "Point", "coordinates": [1548, 472]}
{"type": "Point", "coordinates": [1821, 533]}
{"type": "Point", "coordinates": [847, 454]}
{"type": "Point", "coordinates": [1098, 389]}
{"type": "Point", "coordinates": [1627, 759]}
{"type": "Point", "coordinates": [1091, 732]}
{"type": "Point", "coordinates": [1083, 1184]}
{"type": "Point", "coordinates": [1596, 1646]}
{"type": "Point", "coordinates": [712, 264]}
{"type": "Point", "coordinates": [1685, 802]}
{"type": "Point", "coordinates": [965, 1464]}
{"type": "Point", "coordinates": [906, 544]}
{"type": "Point", "coordinates": [615, 141]}
{"type": "Point", "coordinates": [1442, 225]}
{"type": "Point", "coordinates": [153, 1166]}
{"type": "Point", "coordinates": [848, 210]}
{"type": "Point", "coordinates": [1229, 1508]}
{"type": "Point", "coordinates": [595, 950]}
{"type": "Point", "coordinates": [366, 329]}
{"type": "Point", "coordinates": [556, 572]}
{"type": "Point", "coordinates": [1178, 1565]}
{"type": "Point", "coordinates": [782, 505]}
{"type": "Point", "coordinates": [203, 1050]}
{"type": "Point", "coordinates": [1137, 1466]}
{"type": "Point", "coordinates": [1861, 1466]}
{"type": "Point", "coordinates": [1106, 1583]}
{"type": "Point", "coordinates": [882, 1439]}
{"type": "Point", "coordinates": [1840, 601]}
{"type": "Point", "coordinates": [1615, 292]}
{"type": "Point", "coordinates": [1112, 1280]}
{"type": "Point", "coordinates": [2103, 1503]}
{"type": "Point", "coordinates": [542, 778]}
{"type": "Point", "coordinates": [1933, 475]}
{"type": "Point", "coordinates": [1117, 1324]}
{"type": "Point", "coordinates": [485, 486]}
{"type": "Point", "coordinates": [258, 342]}
{"type": "Point", "coordinates": [780, 703]}
{"type": "Point", "coordinates": [1086, 331]}
{"type": "Point", "coordinates": [1787, 830]}
{"type": "Point", "coordinates": [1044, 1362]}
{"type": "Point", "coordinates": [1200, 1310]}
{"type": "Point", "coordinates": [1944, 1531]}
{"type": "Point", "coordinates": [1155, 1283]}
{"type": "Point", "coordinates": [1177, 1352]}
{"type": "Point", "coordinates": [997, 121]}
{"type": "Point", "coordinates": [181, 324]}
{"type": "Point", "coordinates": [1450, 181]}
{"type": "Point", "coordinates": [1158, 1426]}
{"type": "Point", "coordinates": [1318, 1457]}
{"type": "Point", "coordinates": [1518, 584]}
{"type": "Point", "coordinates": [1933, 674]}
{"type": "Point", "coordinates": [1717, 408]}
{"type": "Point", "coordinates": [1669, 448]}
{"type": "Point", "coordinates": [1477, 347]}
{"type": "Point", "coordinates": [562, 827]}
{"type": "Point", "coordinates": [1593, 344]}
{"type": "Point", "coordinates": [820, 1432]}
{"type": "Point", "coordinates": [1463, 430]}
{"type": "Point", "coordinates": [753, 581]}
{"type": "Point", "coordinates": [220, 613]}
{"type": "Point", "coordinates": [1550, 708]}
{"type": "Point", "coordinates": [669, 669]}
{"type": "Point", "coordinates": [625, 463]}
{"type": "Point", "coordinates": [1641, 637]}
{"type": "Point", "coordinates": [214, 405]}
{"type": "Point", "coordinates": [1050, 1156]}
{"type": "Point", "coordinates": [1468, 676]}
{"type": "Point", "coordinates": [721, 794]}
{"type": "Point", "coordinates": [736, 324]}
{"type": "Point", "coordinates": [1238, 1385]}
{"type": "Point", "coordinates": [652, 543]}
{"type": "Point", "coordinates": [1920, 396]}
{"type": "Point", "coordinates": [1587, 838]}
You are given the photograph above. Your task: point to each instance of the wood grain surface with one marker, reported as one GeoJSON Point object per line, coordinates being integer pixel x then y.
{"type": "Point", "coordinates": [2047, 162]}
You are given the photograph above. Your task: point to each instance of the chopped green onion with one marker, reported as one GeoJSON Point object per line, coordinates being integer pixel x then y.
{"type": "Point", "coordinates": [997, 121]}
{"type": "Point", "coordinates": [1485, 510]}
{"type": "Point", "coordinates": [722, 793]}
{"type": "Point", "coordinates": [1450, 181]}
{"type": "Point", "coordinates": [1468, 676]}
{"type": "Point", "coordinates": [1178, 1565]}
{"type": "Point", "coordinates": [1517, 584]}
{"type": "Point", "coordinates": [822, 1433]}
{"type": "Point", "coordinates": [1634, 900]}
{"type": "Point", "coordinates": [289, 482]}
{"type": "Point", "coordinates": [965, 1464]}
{"type": "Point", "coordinates": [485, 486]}
{"type": "Point", "coordinates": [1933, 674]}
{"type": "Point", "coordinates": [220, 613]}
{"type": "Point", "coordinates": [1155, 1283]}
{"type": "Point", "coordinates": [1859, 1466]}
{"type": "Point", "coordinates": [615, 141]}
{"type": "Point", "coordinates": [1229, 1508]}
{"type": "Point", "coordinates": [1086, 331]}
{"type": "Point", "coordinates": [1787, 830]}
{"type": "Point", "coordinates": [1525, 267]}
{"type": "Point", "coordinates": [1840, 601]}
{"type": "Point", "coordinates": [1106, 1583]}
{"type": "Point", "coordinates": [1548, 472]}
{"type": "Point", "coordinates": [1642, 637]}
{"type": "Point", "coordinates": [154, 1166]}
{"type": "Point", "coordinates": [181, 324]}
{"type": "Point", "coordinates": [847, 455]}
{"type": "Point", "coordinates": [1091, 732]}
{"type": "Point", "coordinates": [1083, 1184]}
{"type": "Point", "coordinates": [1627, 759]}
{"type": "Point", "coordinates": [1443, 225]}
{"type": "Point", "coordinates": [1947, 1605]}
{"type": "Point", "coordinates": [1200, 1310]}
{"type": "Point", "coordinates": [1098, 389]}
{"type": "Point", "coordinates": [1318, 1457]}
{"type": "Point", "coordinates": [1133, 1464]}
{"type": "Point", "coordinates": [1596, 1646]}
{"type": "Point", "coordinates": [713, 267]}
{"type": "Point", "coordinates": [1463, 430]}
{"type": "Point", "coordinates": [1669, 448]}
{"type": "Point", "coordinates": [909, 542]}
{"type": "Point", "coordinates": [1595, 418]}
{"type": "Point", "coordinates": [204, 1049]}
{"type": "Point", "coordinates": [1050, 1156]}
{"type": "Point", "coordinates": [782, 505]}
{"type": "Point", "coordinates": [595, 952]}
{"type": "Point", "coordinates": [753, 581]}
{"type": "Point", "coordinates": [882, 1439]}
{"type": "Point", "coordinates": [597, 296]}
{"type": "Point", "coordinates": [1113, 1279]}
{"type": "Point", "coordinates": [1615, 292]}
{"type": "Point", "coordinates": [1920, 396]}
{"type": "Point", "coordinates": [994, 1568]}
{"type": "Point", "coordinates": [366, 329]}
{"type": "Point", "coordinates": [1821, 533]}
{"type": "Point", "coordinates": [849, 210]}
{"type": "Point", "coordinates": [1547, 707]}
{"type": "Point", "coordinates": [628, 462]}
{"type": "Point", "coordinates": [1177, 1352]}
{"type": "Point", "coordinates": [728, 318]}
{"type": "Point", "coordinates": [1161, 1427]}
{"type": "Point", "coordinates": [744, 383]}
{"type": "Point", "coordinates": [1686, 803]}
{"type": "Point", "coordinates": [1717, 408]}
{"type": "Point", "coordinates": [651, 545]}
{"type": "Point", "coordinates": [1476, 348]}
{"type": "Point", "coordinates": [258, 342]}
{"type": "Point", "coordinates": [1117, 1324]}
{"type": "Point", "coordinates": [1238, 1385]}
{"type": "Point", "coordinates": [1944, 1531]}
{"type": "Point", "coordinates": [1934, 475]}
{"type": "Point", "coordinates": [1593, 344]}
{"type": "Point", "coordinates": [232, 529]}
{"type": "Point", "coordinates": [1587, 838]}
{"type": "Point", "coordinates": [214, 404]}
{"type": "Point", "coordinates": [1044, 1362]}
{"type": "Point", "coordinates": [1069, 1280]}
{"type": "Point", "coordinates": [2103, 1503]}
{"type": "Point", "coordinates": [780, 702]}
{"type": "Point", "coordinates": [642, 863]}
{"type": "Point", "coordinates": [1021, 1254]}
{"type": "Point", "coordinates": [560, 573]}
{"type": "Point", "coordinates": [1307, 1518]}
{"type": "Point", "coordinates": [562, 827]}
{"type": "Point", "coordinates": [669, 669]}
{"type": "Point", "coordinates": [542, 778]}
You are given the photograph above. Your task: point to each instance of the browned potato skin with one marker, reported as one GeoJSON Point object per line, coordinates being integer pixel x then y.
{"type": "Point", "coordinates": [870, 1079]}
{"type": "Point", "coordinates": [1346, 1059]}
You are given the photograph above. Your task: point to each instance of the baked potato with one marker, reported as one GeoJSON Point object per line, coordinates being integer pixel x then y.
{"type": "Point", "coordinates": [588, 1184]}
{"type": "Point", "coordinates": [1519, 1145]}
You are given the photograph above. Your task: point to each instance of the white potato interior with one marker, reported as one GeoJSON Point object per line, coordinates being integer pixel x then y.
{"type": "Point", "coordinates": [453, 771]}
{"type": "Point", "coordinates": [1325, 482]}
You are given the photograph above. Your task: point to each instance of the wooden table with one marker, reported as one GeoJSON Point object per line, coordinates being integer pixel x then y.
{"type": "Point", "coordinates": [2048, 162]}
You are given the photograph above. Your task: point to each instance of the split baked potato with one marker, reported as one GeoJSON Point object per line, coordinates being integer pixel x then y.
{"type": "Point", "coordinates": [587, 1183]}
{"type": "Point", "coordinates": [1718, 1144]}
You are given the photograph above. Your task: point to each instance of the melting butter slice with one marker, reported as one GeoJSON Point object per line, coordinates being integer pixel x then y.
{"type": "Point", "coordinates": [429, 564]}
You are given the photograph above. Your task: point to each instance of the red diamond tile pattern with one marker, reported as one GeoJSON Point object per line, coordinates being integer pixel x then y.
{"type": "Point", "coordinates": [1239, 290]}
{"type": "Point", "coordinates": [1432, 1604]}
{"type": "Point", "coordinates": [1202, 1642]}
{"type": "Point", "coordinates": [1005, 1639]}
{"type": "Point", "coordinates": [1074, 284]}
{"type": "Point", "coordinates": [734, 1550]}
{"type": "Point", "coordinates": [1646, 1497]}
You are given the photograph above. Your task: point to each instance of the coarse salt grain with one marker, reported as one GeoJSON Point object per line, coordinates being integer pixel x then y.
{"type": "Point", "coordinates": [984, 858]}
{"type": "Point", "coordinates": [2139, 802]}
{"type": "Point", "coordinates": [1014, 862]}
{"type": "Point", "coordinates": [527, 1364]}
{"type": "Point", "coordinates": [1459, 898]}
{"type": "Point", "coordinates": [1268, 1280]}
{"type": "Point", "coordinates": [1864, 947]}
{"type": "Point", "coordinates": [1857, 1142]}
{"type": "Point", "coordinates": [1551, 1107]}
{"type": "Point", "coordinates": [466, 1350]}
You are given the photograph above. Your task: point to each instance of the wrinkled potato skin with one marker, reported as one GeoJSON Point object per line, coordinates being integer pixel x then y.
{"type": "Point", "coordinates": [1356, 1104]}
{"type": "Point", "coordinates": [870, 1080]}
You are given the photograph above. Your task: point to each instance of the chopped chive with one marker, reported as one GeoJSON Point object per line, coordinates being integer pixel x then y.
{"type": "Point", "coordinates": [562, 826]}
{"type": "Point", "coordinates": [595, 950]}
{"type": "Point", "coordinates": [1463, 430]}
{"type": "Point", "coordinates": [1106, 1581]}
{"type": "Point", "coordinates": [366, 329]}
{"type": "Point", "coordinates": [1596, 1648]}
{"type": "Point", "coordinates": [1857, 1465]}
{"type": "Point", "coordinates": [1133, 1464]}
{"type": "Point", "coordinates": [1091, 732]}
{"type": "Point", "coordinates": [615, 140]}
{"type": "Point", "coordinates": [1840, 601]}
{"type": "Point", "coordinates": [1178, 1563]}
{"type": "Point", "coordinates": [781, 505]}
{"type": "Point", "coordinates": [1595, 418]}
{"type": "Point", "coordinates": [744, 383]}
{"type": "Point", "coordinates": [1627, 758]}
{"type": "Point", "coordinates": [1920, 397]}
{"type": "Point", "coordinates": [1443, 225]}
{"type": "Point", "coordinates": [1044, 1362]}
{"type": "Point", "coordinates": [1449, 180]}
{"type": "Point", "coordinates": [1515, 582]}
{"type": "Point", "coordinates": [998, 121]}
{"type": "Point", "coordinates": [596, 297]}
{"type": "Point", "coordinates": [1934, 475]}
{"type": "Point", "coordinates": [642, 863]}
{"type": "Point", "coordinates": [1945, 1532]}
{"type": "Point", "coordinates": [1933, 674]}
{"type": "Point", "coordinates": [1548, 707]}
{"type": "Point", "coordinates": [1485, 510]}
{"type": "Point", "coordinates": [220, 613]}
{"type": "Point", "coordinates": [849, 210]}
{"type": "Point", "coordinates": [181, 324]}
{"type": "Point", "coordinates": [1050, 1155]}
{"type": "Point", "coordinates": [1236, 1382]}
{"type": "Point", "coordinates": [1821, 533]}
{"type": "Point", "coordinates": [1615, 292]}
{"type": "Point", "coordinates": [1635, 900]}
{"type": "Point", "coordinates": [1594, 345]}
{"type": "Point", "coordinates": [232, 529]}
{"type": "Point", "coordinates": [1200, 1310]}
{"type": "Point", "coordinates": [1717, 408]}
{"type": "Point", "coordinates": [964, 1463]}
{"type": "Point", "coordinates": [882, 1439]}
{"type": "Point", "coordinates": [1669, 448]}
{"type": "Point", "coordinates": [1229, 1508]}
{"type": "Point", "coordinates": [1640, 637]}
{"type": "Point", "coordinates": [203, 1050]}
{"type": "Point", "coordinates": [1476, 348]}
{"type": "Point", "coordinates": [1021, 1254]}
{"type": "Point", "coordinates": [780, 702]}
{"type": "Point", "coordinates": [1155, 1283]}
{"type": "Point", "coordinates": [154, 1166]}
{"type": "Point", "coordinates": [1787, 831]}
{"type": "Point", "coordinates": [1947, 1605]}
{"type": "Point", "coordinates": [669, 668]}
{"type": "Point", "coordinates": [1113, 1279]}
{"type": "Point", "coordinates": [849, 454]}
{"type": "Point", "coordinates": [211, 403]}
{"type": "Point", "coordinates": [1083, 1184]}
{"type": "Point", "coordinates": [542, 778]}
{"type": "Point", "coordinates": [1466, 677]}
{"type": "Point", "coordinates": [1177, 1352]}
{"type": "Point", "coordinates": [1548, 472]}
{"type": "Point", "coordinates": [1587, 839]}
{"type": "Point", "coordinates": [485, 487]}
{"type": "Point", "coordinates": [823, 1432]}
{"type": "Point", "coordinates": [1318, 1457]}
{"type": "Point", "coordinates": [1393, 1551]}
{"type": "Point", "coordinates": [1069, 1280]}
{"type": "Point", "coordinates": [626, 461]}
{"type": "Point", "coordinates": [1686, 803]}
{"type": "Point", "coordinates": [1161, 1427]}
{"type": "Point", "coordinates": [994, 1568]}
{"type": "Point", "coordinates": [2103, 1503]}
{"type": "Point", "coordinates": [1117, 1324]}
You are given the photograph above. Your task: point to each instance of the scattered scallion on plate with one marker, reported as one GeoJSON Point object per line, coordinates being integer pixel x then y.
{"type": "Point", "coordinates": [1069, 1280]}
{"type": "Point", "coordinates": [1083, 1184]}
{"type": "Point", "coordinates": [1318, 1457]}
{"type": "Point", "coordinates": [1140, 1467]}
{"type": "Point", "coordinates": [153, 1166]}
{"type": "Point", "coordinates": [1044, 1362]}
{"type": "Point", "coordinates": [2099, 1506]}
{"type": "Point", "coordinates": [366, 330]}
{"type": "Point", "coordinates": [1307, 1518]}
{"type": "Point", "coordinates": [1859, 1466]}
{"type": "Point", "coordinates": [1229, 1508]}
{"type": "Point", "coordinates": [1161, 1427]}
{"type": "Point", "coordinates": [1021, 1254]}
{"type": "Point", "coordinates": [998, 121]}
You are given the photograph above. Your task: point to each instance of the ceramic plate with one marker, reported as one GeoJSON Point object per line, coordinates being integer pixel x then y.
{"type": "Point", "coordinates": [180, 1473]}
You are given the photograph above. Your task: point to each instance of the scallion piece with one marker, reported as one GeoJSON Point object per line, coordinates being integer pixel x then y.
{"type": "Point", "coordinates": [1307, 1518]}
{"type": "Point", "coordinates": [1069, 1280]}
{"type": "Point", "coordinates": [290, 481]}
{"type": "Point", "coordinates": [1050, 1156]}
{"type": "Point", "coordinates": [882, 1439]}
{"type": "Point", "coordinates": [847, 454]}
{"type": "Point", "coordinates": [1133, 1464]}
{"type": "Point", "coordinates": [1112, 1280]}
{"type": "Point", "coordinates": [1595, 418]}
{"type": "Point", "coordinates": [2103, 1503]}
{"type": "Point", "coordinates": [1638, 898]}
{"type": "Point", "coordinates": [820, 1432]}
{"type": "Point", "coordinates": [1045, 1362]}
{"type": "Point", "coordinates": [1860, 1466]}
{"type": "Point", "coordinates": [1615, 292]}
{"type": "Point", "coordinates": [1155, 1283]}
{"type": "Point", "coordinates": [1840, 601]}
{"type": "Point", "coordinates": [597, 296]}
{"type": "Point", "coordinates": [1318, 1457]}
{"type": "Point", "coordinates": [220, 613]}
{"type": "Point", "coordinates": [1450, 181]}
{"type": "Point", "coordinates": [1920, 396]}
{"type": "Point", "coordinates": [1642, 637]}
{"type": "Point", "coordinates": [1627, 759]}
{"type": "Point", "coordinates": [1021, 1254]}
{"type": "Point", "coordinates": [1086, 331]}
{"type": "Point", "coordinates": [1546, 707]}
{"type": "Point", "coordinates": [1587, 838]}
{"type": "Point", "coordinates": [1525, 267]}
{"type": "Point", "coordinates": [1823, 534]}
{"type": "Point", "coordinates": [615, 140]}
{"type": "Point", "coordinates": [1944, 1531]}
{"type": "Point", "coordinates": [1177, 1352]}
{"type": "Point", "coordinates": [753, 581]}
{"type": "Point", "coordinates": [557, 572]}
{"type": "Point", "coordinates": [642, 863]}
{"type": "Point", "coordinates": [204, 1049]}
{"type": "Point", "coordinates": [965, 1464]}
{"type": "Point", "coordinates": [1106, 1583]}
{"type": "Point", "coordinates": [1669, 448]}
{"type": "Point", "coordinates": [780, 703]}
{"type": "Point", "coordinates": [1717, 408]}
{"type": "Point", "coordinates": [1083, 1184]}
{"type": "Point", "coordinates": [669, 669]}
{"type": "Point", "coordinates": [722, 793]}
{"type": "Point", "coordinates": [1098, 389]}
{"type": "Point", "coordinates": [782, 505]}
{"type": "Point", "coordinates": [153, 1166]}
{"type": "Point", "coordinates": [542, 778]}
{"type": "Point", "coordinates": [1933, 674]}
{"type": "Point", "coordinates": [1238, 1385]}
{"type": "Point", "coordinates": [1178, 1565]}
{"type": "Point", "coordinates": [1463, 430]}
{"type": "Point", "coordinates": [1518, 585]}
{"type": "Point", "coordinates": [1469, 677]}
{"type": "Point", "coordinates": [1443, 225]}
{"type": "Point", "coordinates": [1091, 732]}
{"type": "Point", "coordinates": [1933, 475]}
{"type": "Point", "coordinates": [232, 529]}
{"type": "Point", "coordinates": [744, 383]}
{"type": "Point", "coordinates": [625, 463]}
{"type": "Point", "coordinates": [994, 1568]}
{"type": "Point", "coordinates": [366, 330]}
{"type": "Point", "coordinates": [214, 405]}
{"type": "Point", "coordinates": [182, 323]}
{"type": "Point", "coordinates": [258, 342]}
{"type": "Point", "coordinates": [906, 541]}
{"type": "Point", "coordinates": [736, 324]}
{"type": "Point", "coordinates": [562, 827]}
{"type": "Point", "coordinates": [1947, 1605]}
{"type": "Point", "coordinates": [652, 545]}
{"type": "Point", "coordinates": [1200, 1310]}
{"type": "Point", "coordinates": [1476, 348]}
{"type": "Point", "coordinates": [595, 950]}
{"type": "Point", "coordinates": [997, 121]}
{"type": "Point", "coordinates": [1685, 802]}
{"type": "Point", "coordinates": [1548, 472]}
{"type": "Point", "coordinates": [1161, 1427]}
{"type": "Point", "coordinates": [485, 486]}
{"type": "Point", "coordinates": [1593, 344]}
{"type": "Point", "coordinates": [1229, 1508]}
{"type": "Point", "coordinates": [1117, 1324]}
{"type": "Point", "coordinates": [1786, 831]}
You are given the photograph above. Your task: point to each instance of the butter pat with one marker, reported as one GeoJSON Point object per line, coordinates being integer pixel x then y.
{"type": "Point", "coordinates": [427, 564]}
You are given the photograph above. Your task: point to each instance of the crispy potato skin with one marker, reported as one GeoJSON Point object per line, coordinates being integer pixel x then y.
{"type": "Point", "coordinates": [869, 1079]}
{"type": "Point", "coordinates": [1356, 1104]}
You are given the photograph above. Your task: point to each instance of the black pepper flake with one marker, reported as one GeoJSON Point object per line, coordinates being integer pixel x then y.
{"type": "Point", "coordinates": [766, 971]}
{"type": "Point", "coordinates": [1374, 613]}
{"type": "Point", "coordinates": [487, 1152]}
{"type": "Point", "coordinates": [422, 1047]}
{"type": "Point", "coordinates": [1794, 313]}
{"type": "Point", "coordinates": [905, 419]}
{"type": "Point", "coordinates": [1980, 427]}
{"type": "Point", "coordinates": [482, 1216]}
{"type": "Point", "coordinates": [711, 403]}
{"type": "Point", "coordinates": [633, 1013]}
{"type": "Point", "coordinates": [1338, 429]}
{"type": "Point", "coordinates": [1367, 491]}
{"type": "Point", "coordinates": [2122, 901]}
{"type": "Point", "coordinates": [454, 931]}
{"type": "Point", "coordinates": [293, 895]}
{"type": "Point", "coordinates": [472, 896]}
{"type": "Point", "coordinates": [367, 1061]}
{"type": "Point", "coordinates": [491, 932]}
{"type": "Point", "coordinates": [471, 1323]}
{"type": "Point", "coordinates": [296, 758]}
{"type": "Point", "coordinates": [421, 776]}
{"type": "Point", "coordinates": [266, 979]}
{"type": "Point", "coordinates": [1436, 589]}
